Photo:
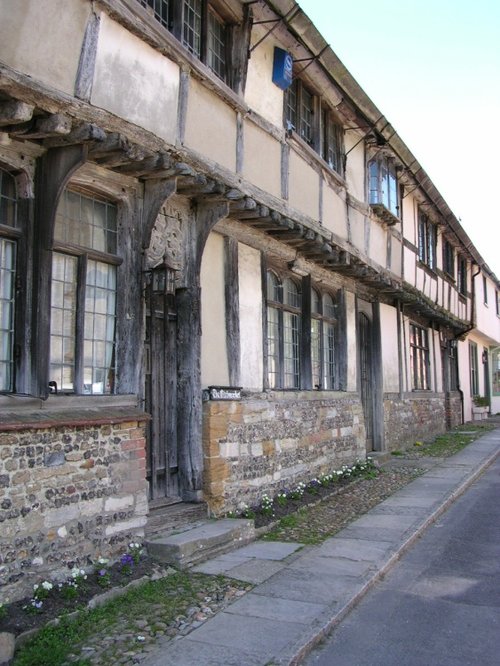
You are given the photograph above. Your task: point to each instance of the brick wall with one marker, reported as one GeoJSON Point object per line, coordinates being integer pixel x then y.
{"type": "Point", "coordinates": [268, 442]}
{"type": "Point", "coordinates": [415, 417]}
{"type": "Point", "coordinates": [68, 494]}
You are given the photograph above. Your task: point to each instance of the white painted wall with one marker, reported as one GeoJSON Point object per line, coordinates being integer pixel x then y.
{"type": "Point", "coordinates": [303, 186]}
{"type": "Point", "coordinates": [390, 359]}
{"type": "Point", "coordinates": [44, 39]}
{"type": "Point", "coordinates": [352, 353]}
{"type": "Point", "coordinates": [261, 94]}
{"type": "Point", "coordinates": [262, 159]}
{"type": "Point", "coordinates": [214, 367]}
{"type": "Point", "coordinates": [135, 82]}
{"type": "Point", "coordinates": [251, 333]}
{"type": "Point", "coordinates": [210, 126]}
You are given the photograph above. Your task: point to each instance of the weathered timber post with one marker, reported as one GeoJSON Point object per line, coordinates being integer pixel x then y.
{"type": "Point", "coordinates": [54, 169]}
{"type": "Point", "coordinates": [188, 298]}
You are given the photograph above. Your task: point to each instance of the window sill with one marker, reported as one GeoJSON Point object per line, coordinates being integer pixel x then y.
{"type": "Point", "coordinates": [20, 412]}
{"type": "Point", "coordinates": [314, 158]}
{"type": "Point", "coordinates": [430, 271]}
{"type": "Point", "coordinates": [384, 214]}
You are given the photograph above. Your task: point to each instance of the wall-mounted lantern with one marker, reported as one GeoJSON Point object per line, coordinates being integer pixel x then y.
{"type": "Point", "coordinates": [163, 279]}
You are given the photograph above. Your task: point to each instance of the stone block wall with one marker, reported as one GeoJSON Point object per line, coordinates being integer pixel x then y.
{"type": "Point", "coordinates": [415, 417]}
{"type": "Point", "coordinates": [454, 416]}
{"type": "Point", "coordinates": [268, 442]}
{"type": "Point", "coordinates": [68, 495]}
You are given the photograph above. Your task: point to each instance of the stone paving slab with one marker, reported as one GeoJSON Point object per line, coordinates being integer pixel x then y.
{"type": "Point", "coordinates": [274, 608]}
{"type": "Point", "coordinates": [283, 618]}
{"type": "Point", "coordinates": [254, 571]}
{"type": "Point", "coordinates": [249, 634]}
{"type": "Point", "coordinates": [331, 566]}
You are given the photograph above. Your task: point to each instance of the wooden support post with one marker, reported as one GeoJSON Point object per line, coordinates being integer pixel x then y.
{"type": "Point", "coordinates": [188, 299]}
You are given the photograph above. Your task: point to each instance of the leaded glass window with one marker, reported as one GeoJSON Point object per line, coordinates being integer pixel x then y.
{"type": "Point", "coordinates": [83, 295]}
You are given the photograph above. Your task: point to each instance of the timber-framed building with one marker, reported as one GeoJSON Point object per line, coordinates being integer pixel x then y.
{"type": "Point", "coordinates": [222, 272]}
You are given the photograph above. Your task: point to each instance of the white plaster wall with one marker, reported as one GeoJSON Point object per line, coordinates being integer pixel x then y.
{"type": "Point", "coordinates": [390, 358]}
{"type": "Point", "coordinates": [355, 166]}
{"type": "Point", "coordinates": [396, 266]}
{"type": "Point", "coordinates": [378, 244]}
{"type": "Point", "coordinates": [261, 94]}
{"type": "Point", "coordinates": [464, 375]}
{"type": "Point", "coordinates": [250, 293]}
{"type": "Point", "coordinates": [488, 322]}
{"type": "Point", "coordinates": [357, 225]}
{"type": "Point", "coordinates": [303, 186]}
{"type": "Point", "coordinates": [135, 82]}
{"type": "Point", "coordinates": [352, 354]}
{"type": "Point", "coordinates": [43, 38]}
{"type": "Point", "coordinates": [410, 260]}
{"type": "Point", "coordinates": [334, 212]}
{"type": "Point", "coordinates": [262, 160]}
{"type": "Point", "coordinates": [214, 367]}
{"type": "Point", "coordinates": [210, 126]}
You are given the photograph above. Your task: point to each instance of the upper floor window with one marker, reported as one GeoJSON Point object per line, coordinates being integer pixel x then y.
{"type": "Point", "coordinates": [383, 186]}
{"type": "Point", "coordinates": [448, 259]}
{"type": "Point", "coordinates": [198, 27]}
{"type": "Point", "coordinates": [8, 254]}
{"type": "Point", "coordinates": [283, 331]}
{"type": "Point", "coordinates": [299, 110]}
{"type": "Point", "coordinates": [324, 134]}
{"type": "Point", "coordinates": [323, 323]}
{"type": "Point", "coordinates": [83, 294]}
{"type": "Point", "coordinates": [462, 275]}
{"type": "Point", "coordinates": [427, 240]}
{"type": "Point", "coordinates": [419, 358]}
{"type": "Point", "coordinates": [485, 290]}
{"type": "Point", "coordinates": [332, 142]}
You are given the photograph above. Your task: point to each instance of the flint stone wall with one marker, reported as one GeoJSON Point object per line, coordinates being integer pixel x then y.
{"type": "Point", "coordinates": [68, 495]}
{"type": "Point", "coordinates": [268, 442]}
{"type": "Point", "coordinates": [415, 417]}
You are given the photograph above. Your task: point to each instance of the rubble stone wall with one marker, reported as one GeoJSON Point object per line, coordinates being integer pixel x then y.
{"type": "Point", "coordinates": [268, 442]}
{"type": "Point", "coordinates": [68, 495]}
{"type": "Point", "coordinates": [415, 417]}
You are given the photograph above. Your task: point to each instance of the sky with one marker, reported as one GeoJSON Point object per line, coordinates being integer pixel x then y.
{"type": "Point", "coordinates": [432, 68]}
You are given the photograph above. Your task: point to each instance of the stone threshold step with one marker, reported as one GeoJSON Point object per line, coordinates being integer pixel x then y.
{"type": "Point", "coordinates": [201, 542]}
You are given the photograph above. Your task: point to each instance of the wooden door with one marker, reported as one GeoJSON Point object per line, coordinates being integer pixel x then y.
{"type": "Point", "coordinates": [366, 375]}
{"type": "Point", "coordinates": [161, 397]}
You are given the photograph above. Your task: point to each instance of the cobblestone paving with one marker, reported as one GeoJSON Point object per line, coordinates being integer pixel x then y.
{"type": "Point", "coordinates": [130, 641]}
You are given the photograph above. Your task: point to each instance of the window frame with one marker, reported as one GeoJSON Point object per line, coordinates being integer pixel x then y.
{"type": "Point", "coordinates": [462, 275]}
{"type": "Point", "coordinates": [172, 16]}
{"type": "Point", "coordinates": [485, 290]}
{"type": "Point", "coordinates": [83, 256]}
{"type": "Point", "coordinates": [420, 358]}
{"type": "Point", "coordinates": [309, 117]}
{"type": "Point", "coordinates": [473, 369]}
{"type": "Point", "coordinates": [326, 380]}
{"type": "Point", "coordinates": [383, 187]}
{"type": "Point", "coordinates": [448, 258]}
{"type": "Point", "coordinates": [283, 311]}
{"type": "Point", "coordinates": [10, 235]}
{"type": "Point", "coordinates": [427, 240]}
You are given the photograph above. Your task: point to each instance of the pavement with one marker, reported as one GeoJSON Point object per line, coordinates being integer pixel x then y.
{"type": "Point", "coordinates": [302, 592]}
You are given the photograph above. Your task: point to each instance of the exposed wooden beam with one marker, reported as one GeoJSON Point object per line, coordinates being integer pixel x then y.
{"type": "Point", "coordinates": [13, 112]}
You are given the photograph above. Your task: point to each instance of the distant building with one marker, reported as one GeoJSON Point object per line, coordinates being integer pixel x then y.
{"type": "Point", "coordinates": [215, 283]}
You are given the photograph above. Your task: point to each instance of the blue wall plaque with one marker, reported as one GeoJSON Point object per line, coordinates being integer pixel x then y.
{"type": "Point", "coordinates": [282, 68]}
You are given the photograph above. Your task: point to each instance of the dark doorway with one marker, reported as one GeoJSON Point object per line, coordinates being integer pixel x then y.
{"type": "Point", "coordinates": [366, 374]}
{"type": "Point", "coordinates": [161, 396]}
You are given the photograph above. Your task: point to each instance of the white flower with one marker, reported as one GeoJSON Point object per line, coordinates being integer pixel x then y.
{"type": "Point", "coordinates": [141, 639]}
{"type": "Point", "coordinates": [47, 586]}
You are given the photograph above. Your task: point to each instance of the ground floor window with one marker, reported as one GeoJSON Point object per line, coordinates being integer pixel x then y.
{"type": "Point", "coordinates": [473, 368]}
{"type": "Point", "coordinates": [419, 358]}
{"type": "Point", "coordinates": [83, 296]}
